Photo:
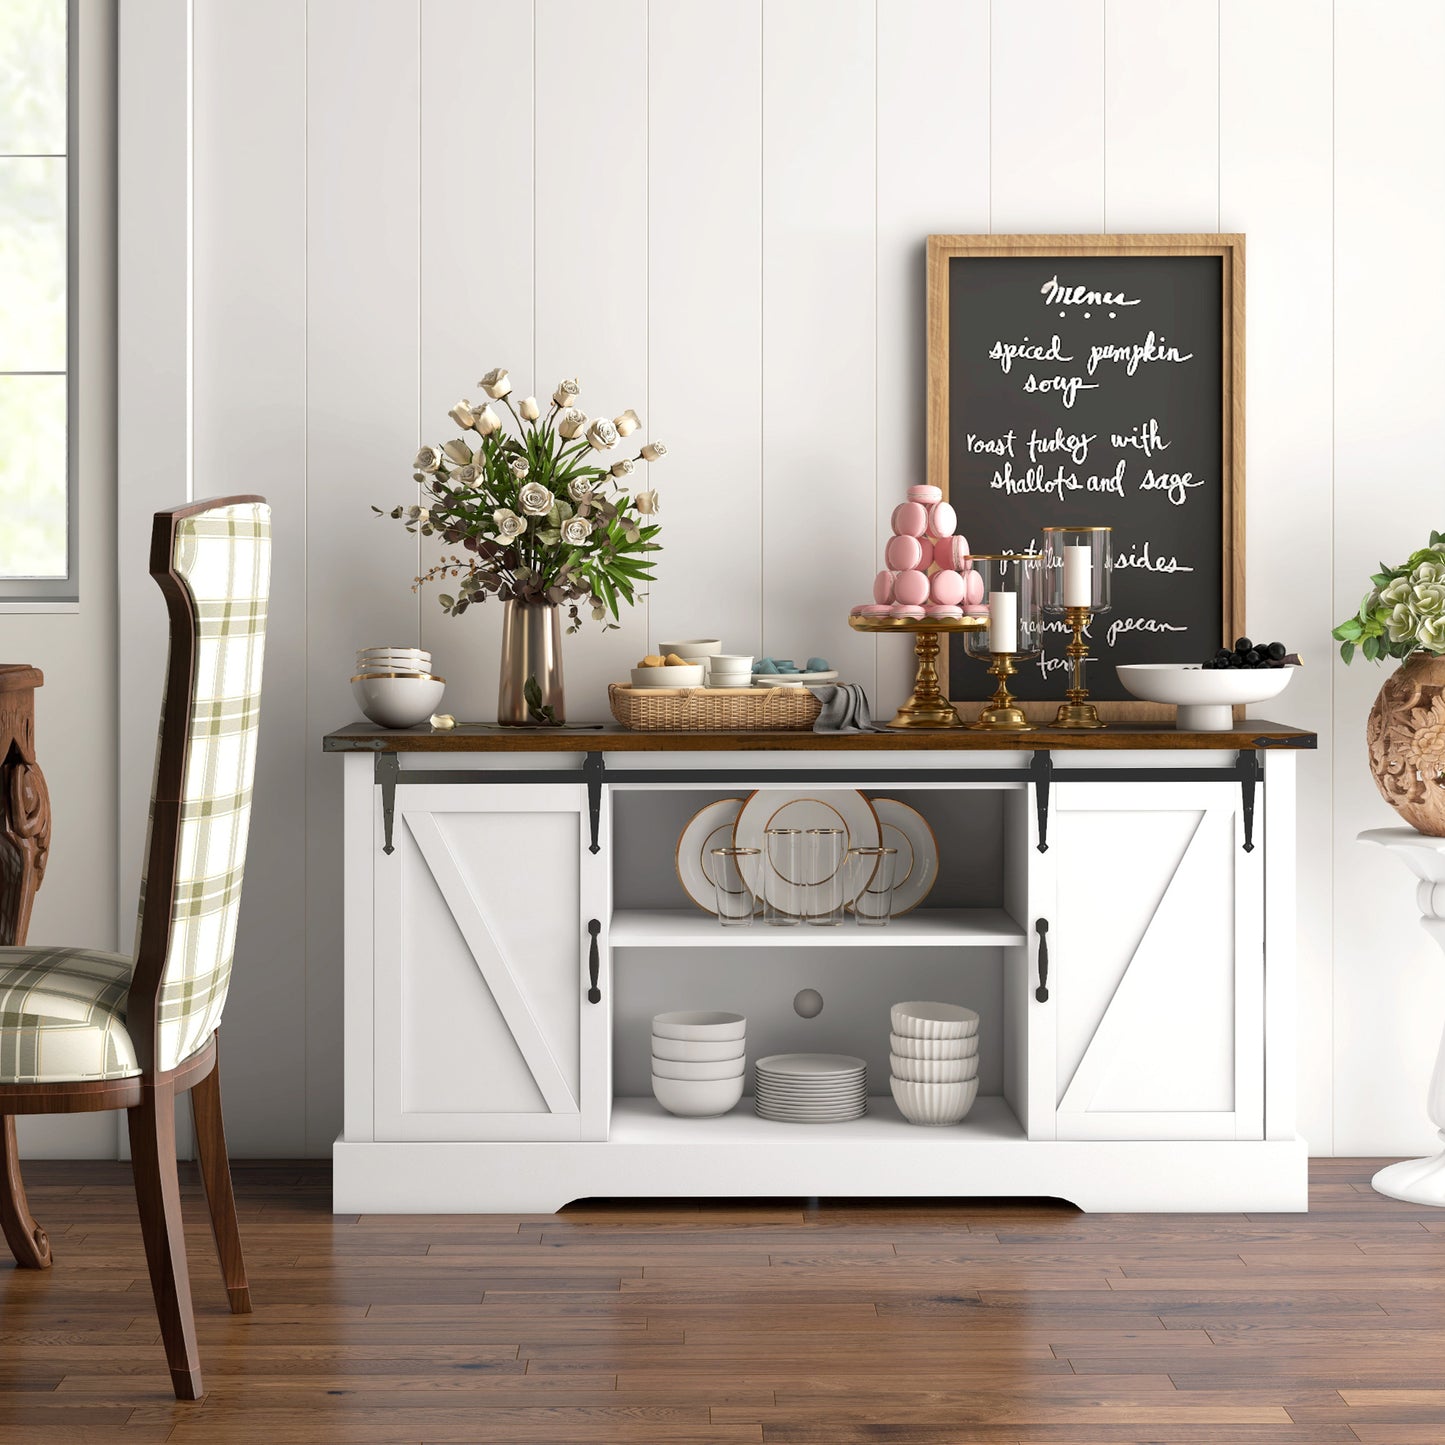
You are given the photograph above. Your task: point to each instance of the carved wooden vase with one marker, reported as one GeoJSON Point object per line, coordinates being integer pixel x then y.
{"type": "Point", "coordinates": [1406, 737]}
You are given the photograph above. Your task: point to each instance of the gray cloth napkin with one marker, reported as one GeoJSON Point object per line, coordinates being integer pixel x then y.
{"type": "Point", "coordinates": [845, 709]}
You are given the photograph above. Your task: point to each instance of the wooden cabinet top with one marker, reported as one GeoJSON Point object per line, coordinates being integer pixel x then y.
{"type": "Point", "coordinates": [609, 738]}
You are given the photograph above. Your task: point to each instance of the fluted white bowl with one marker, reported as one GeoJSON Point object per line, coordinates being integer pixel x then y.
{"type": "Point", "coordinates": [691, 1024]}
{"type": "Point", "coordinates": [933, 1104]}
{"type": "Point", "coordinates": [933, 1020]}
{"type": "Point", "coordinates": [933, 1048]}
{"type": "Point", "coordinates": [697, 1050]}
{"type": "Point", "coordinates": [934, 1071]}
{"type": "Point", "coordinates": [398, 702]}
{"type": "Point", "coordinates": [697, 1098]}
{"type": "Point", "coordinates": [702, 1069]}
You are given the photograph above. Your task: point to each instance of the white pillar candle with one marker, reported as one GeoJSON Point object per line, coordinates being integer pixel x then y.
{"type": "Point", "coordinates": [1078, 576]}
{"type": "Point", "coordinates": [1003, 622]}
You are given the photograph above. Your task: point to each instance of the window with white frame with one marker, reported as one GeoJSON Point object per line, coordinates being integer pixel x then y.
{"type": "Point", "coordinates": [37, 528]}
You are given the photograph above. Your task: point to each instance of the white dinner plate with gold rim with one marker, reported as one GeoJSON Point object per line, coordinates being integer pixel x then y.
{"type": "Point", "coordinates": [915, 870]}
{"type": "Point", "coordinates": [844, 808]}
{"type": "Point", "coordinates": [708, 828]}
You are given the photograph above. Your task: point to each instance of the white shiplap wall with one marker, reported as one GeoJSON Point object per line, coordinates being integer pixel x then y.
{"type": "Point", "coordinates": [715, 213]}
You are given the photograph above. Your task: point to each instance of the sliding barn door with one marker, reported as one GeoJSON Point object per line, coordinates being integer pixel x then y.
{"type": "Point", "coordinates": [484, 1029]}
{"type": "Point", "coordinates": [1157, 950]}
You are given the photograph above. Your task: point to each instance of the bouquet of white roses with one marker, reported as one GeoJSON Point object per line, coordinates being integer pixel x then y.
{"type": "Point", "coordinates": [541, 514]}
{"type": "Point", "coordinates": [1404, 611]}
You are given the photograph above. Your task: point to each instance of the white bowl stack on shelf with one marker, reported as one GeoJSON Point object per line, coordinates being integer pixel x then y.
{"type": "Point", "coordinates": [395, 686]}
{"type": "Point", "coordinates": [810, 1088]}
{"type": "Point", "coordinates": [934, 1061]}
{"type": "Point", "coordinates": [698, 1062]}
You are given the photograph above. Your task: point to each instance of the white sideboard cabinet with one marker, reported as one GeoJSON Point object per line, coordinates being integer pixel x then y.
{"type": "Point", "coordinates": [1118, 907]}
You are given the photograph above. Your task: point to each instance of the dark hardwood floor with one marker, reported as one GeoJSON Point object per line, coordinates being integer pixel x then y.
{"type": "Point", "coordinates": [1001, 1321]}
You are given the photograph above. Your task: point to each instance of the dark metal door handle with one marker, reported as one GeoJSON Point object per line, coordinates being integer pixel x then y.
{"type": "Point", "coordinates": [594, 994]}
{"type": "Point", "coordinates": [1041, 927]}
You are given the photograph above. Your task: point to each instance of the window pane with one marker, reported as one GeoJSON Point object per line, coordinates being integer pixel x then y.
{"type": "Point", "coordinates": [33, 495]}
{"type": "Point", "coordinates": [32, 264]}
{"type": "Point", "coordinates": [32, 77]}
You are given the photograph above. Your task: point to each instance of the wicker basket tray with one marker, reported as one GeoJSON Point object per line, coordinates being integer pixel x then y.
{"type": "Point", "coordinates": [713, 709]}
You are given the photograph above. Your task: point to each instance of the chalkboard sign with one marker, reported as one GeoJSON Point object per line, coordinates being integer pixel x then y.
{"type": "Point", "coordinates": [1096, 380]}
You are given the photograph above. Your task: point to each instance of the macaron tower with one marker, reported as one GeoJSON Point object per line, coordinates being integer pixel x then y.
{"type": "Point", "coordinates": [926, 568]}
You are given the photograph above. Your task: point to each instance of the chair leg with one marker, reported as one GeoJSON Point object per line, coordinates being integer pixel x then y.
{"type": "Point", "coordinates": [27, 1240]}
{"type": "Point", "coordinates": [216, 1175]}
{"type": "Point", "coordinates": [158, 1196]}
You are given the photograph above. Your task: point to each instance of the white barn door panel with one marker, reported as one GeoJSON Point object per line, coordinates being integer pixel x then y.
{"type": "Point", "coordinates": [1157, 945]}
{"type": "Point", "coordinates": [483, 1029]}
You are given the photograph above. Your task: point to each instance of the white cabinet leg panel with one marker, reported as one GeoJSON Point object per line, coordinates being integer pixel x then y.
{"type": "Point", "coordinates": [653, 1155]}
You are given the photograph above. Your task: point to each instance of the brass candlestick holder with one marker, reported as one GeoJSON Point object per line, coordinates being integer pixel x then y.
{"type": "Point", "coordinates": [1002, 714]}
{"type": "Point", "coordinates": [1078, 712]}
{"type": "Point", "coordinates": [926, 707]}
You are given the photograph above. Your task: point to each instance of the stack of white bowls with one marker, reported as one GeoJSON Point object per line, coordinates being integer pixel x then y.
{"type": "Point", "coordinates": [934, 1061]}
{"type": "Point", "coordinates": [730, 670]}
{"type": "Point", "coordinates": [395, 686]}
{"type": "Point", "coordinates": [698, 1062]}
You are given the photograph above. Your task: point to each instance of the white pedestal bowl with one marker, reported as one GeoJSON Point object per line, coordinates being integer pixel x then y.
{"type": "Point", "coordinates": [1205, 698]}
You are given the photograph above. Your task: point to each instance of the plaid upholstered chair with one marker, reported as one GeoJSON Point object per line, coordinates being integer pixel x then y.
{"type": "Point", "coordinates": [82, 1030]}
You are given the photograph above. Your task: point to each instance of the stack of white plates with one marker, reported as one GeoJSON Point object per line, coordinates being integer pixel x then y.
{"type": "Point", "coordinates": [934, 1061]}
{"type": "Point", "coordinates": [698, 1062]}
{"type": "Point", "coordinates": [393, 662]}
{"type": "Point", "coordinates": [810, 1088]}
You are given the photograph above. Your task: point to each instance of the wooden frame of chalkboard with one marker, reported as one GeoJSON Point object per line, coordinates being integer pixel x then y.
{"type": "Point", "coordinates": [1019, 329]}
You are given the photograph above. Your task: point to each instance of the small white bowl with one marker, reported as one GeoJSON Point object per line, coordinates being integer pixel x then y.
{"type": "Point", "coordinates": [391, 648]}
{"type": "Point", "coordinates": [696, 1051]}
{"type": "Point", "coordinates": [392, 669]}
{"type": "Point", "coordinates": [717, 1069]}
{"type": "Point", "coordinates": [697, 647]}
{"type": "Point", "coordinates": [697, 1098]}
{"type": "Point", "coordinates": [398, 702]}
{"type": "Point", "coordinates": [933, 1048]}
{"type": "Point", "coordinates": [688, 676]}
{"type": "Point", "coordinates": [731, 662]}
{"type": "Point", "coordinates": [933, 1104]}
{"type": "Point", "coordinates": [1205, 698]}
{"type": "Point", "coordinates": [934, 1071]}
{"type": "Point", "coordinates": [933, 1020]}
{"type": "Point", "coordinates": [708, 1025]}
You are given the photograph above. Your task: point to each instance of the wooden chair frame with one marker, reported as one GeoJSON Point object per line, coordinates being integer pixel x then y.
{"type": "Point", "coordinates": [149, 1098]}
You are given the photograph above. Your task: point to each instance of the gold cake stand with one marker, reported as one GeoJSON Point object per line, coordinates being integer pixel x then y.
{"type": "Point", "coordinates": [927, 707]}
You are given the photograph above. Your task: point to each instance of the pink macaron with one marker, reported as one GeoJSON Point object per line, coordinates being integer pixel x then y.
{"type": "Point", "coordinates": [903, 554]}
{"type": "Point", "coordinates": [951, 553]}
{"type": "Point", "coordinates": [938, 611]}
{"type": "Point", "coordinates": [942, 520]}
{"type": "Point", "coordinates": [901, 609]}
{"type": "Point", "coordinates": [911, 588]}
{"type": "Point", "coordinates": [873, 609]}
{"type": "Point", "coordinates": [883, 586]}
{"type": "Point", "coordinates": [972, 587]}
{"type": "Point", "coordinates": [925, 494]}
{"type": "Point", "coordinates": [909, 519]}
{"type": "Point", "coordinates": [946, 588]}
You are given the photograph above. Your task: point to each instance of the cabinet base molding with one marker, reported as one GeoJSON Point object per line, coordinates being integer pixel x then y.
{"type": "Point", "coordinates": [651, 1154]}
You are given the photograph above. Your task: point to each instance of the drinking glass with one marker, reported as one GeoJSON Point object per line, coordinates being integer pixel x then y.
{"type": "Point", "coordinates": [826, 850]}
{"type": "Point", "coordinates": [782, 868]}
{"type": "Point", "coordinates": [872, 885]}
{"type": "Point", "coordinates": [731, 870]}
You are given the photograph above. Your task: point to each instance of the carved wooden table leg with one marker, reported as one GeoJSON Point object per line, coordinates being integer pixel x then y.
{"type": "Point", "coordinates": [1420, 1181]}
{"type": "Point", "coordinates": [24, 848]}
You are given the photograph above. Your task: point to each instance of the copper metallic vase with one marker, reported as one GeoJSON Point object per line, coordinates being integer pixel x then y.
{"type": "Point", "coordinates": [531, 649]}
